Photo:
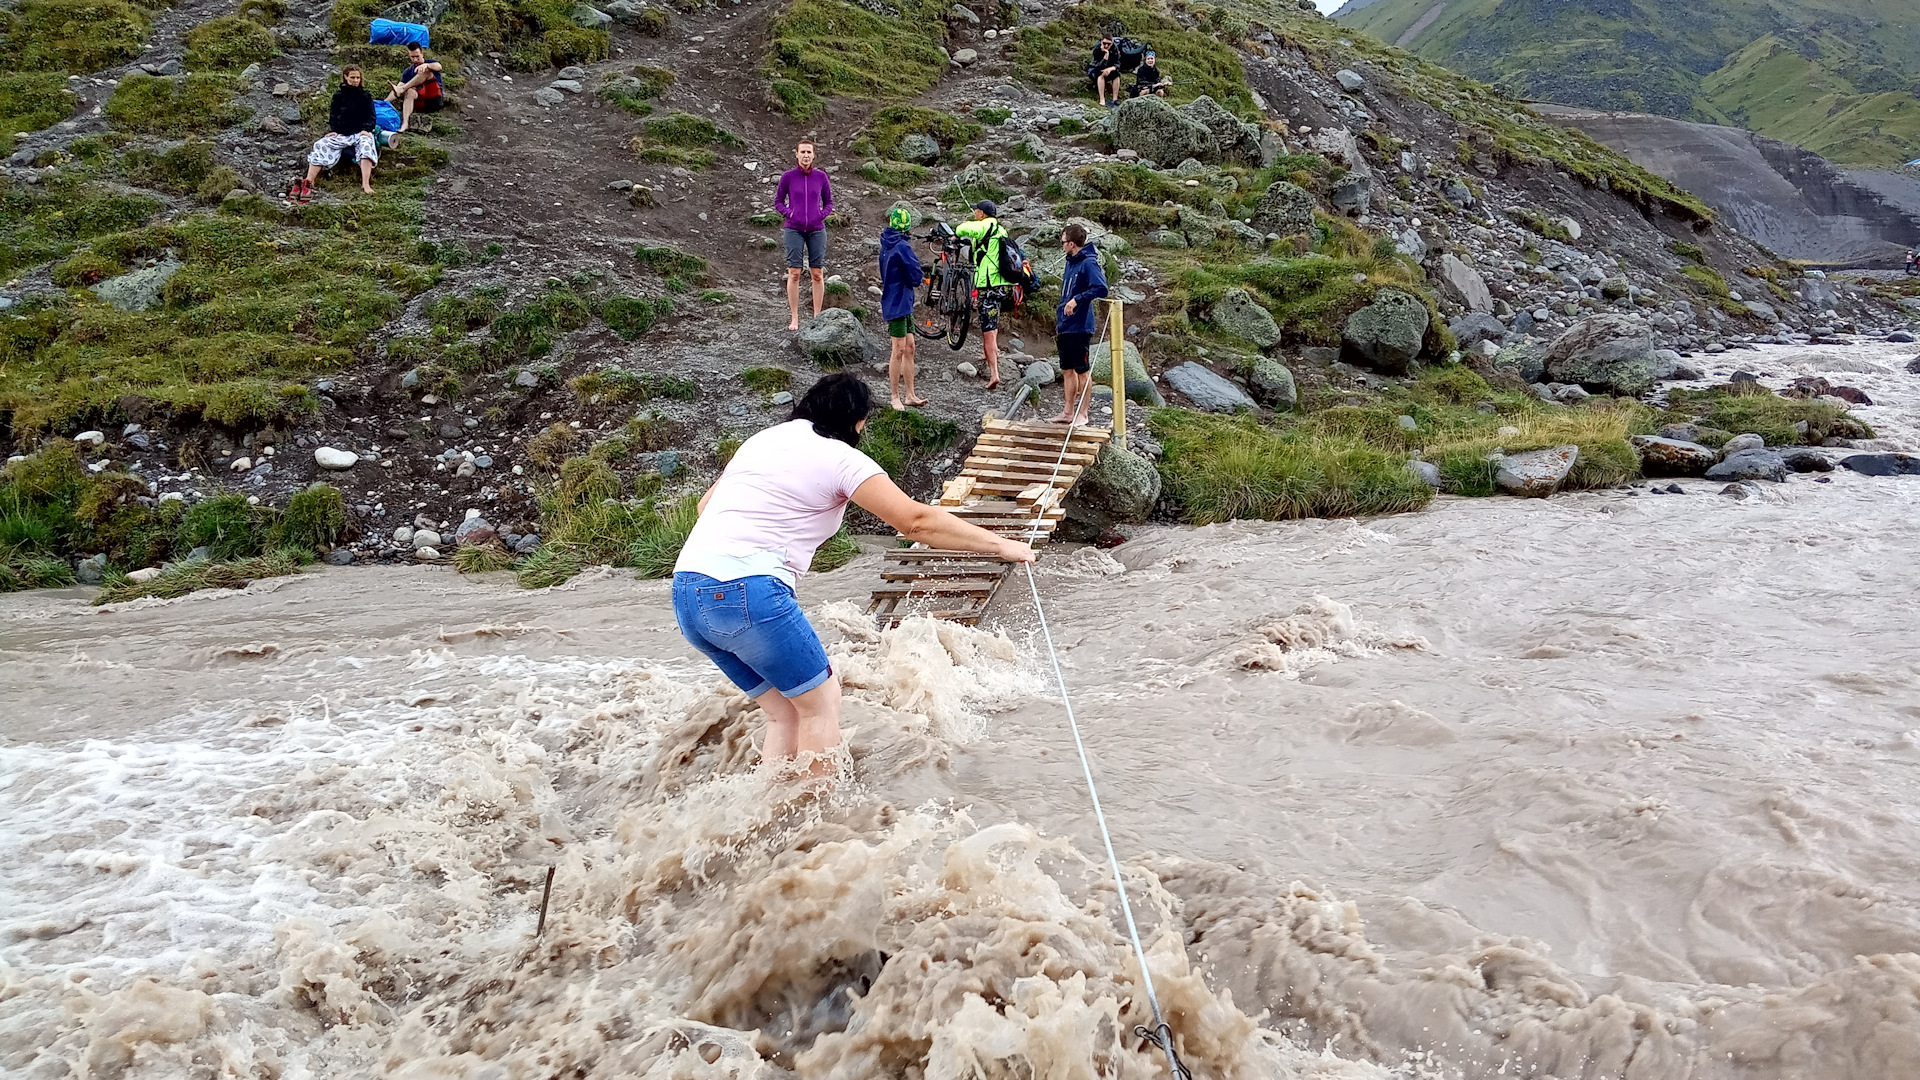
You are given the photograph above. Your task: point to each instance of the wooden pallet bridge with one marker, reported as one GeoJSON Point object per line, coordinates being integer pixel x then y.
{"type": "Point", "coordinates": [1018, 473]}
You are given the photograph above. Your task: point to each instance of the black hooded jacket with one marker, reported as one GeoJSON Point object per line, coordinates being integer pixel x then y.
{"type": "Point", "coordinates": [351, 112]}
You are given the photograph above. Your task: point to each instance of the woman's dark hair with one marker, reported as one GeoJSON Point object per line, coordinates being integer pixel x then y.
{"type": "Point", "coordinates": [835, 406]}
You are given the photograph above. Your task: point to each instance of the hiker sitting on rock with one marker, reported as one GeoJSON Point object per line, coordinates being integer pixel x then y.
{"type": "Point", "coordinates": [1148, 80]}
{"type": "Point", "coordinates": [1104, 72]}
{"type": "Point", "coordinates": [349, 124]}
{"type": "Point", "coordinates": [783, 494]}
{"type": "Point", "coordinates": [990, 287]}
{"type": "Point", "coordinates": [1082, 283]}
{"type": "Point", "coordinates": [900, 277]}
{"type": "Point", "coordinates": [419, 87]}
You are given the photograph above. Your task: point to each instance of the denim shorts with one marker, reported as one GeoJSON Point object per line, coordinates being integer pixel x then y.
{"type": "Point", "coordinates": [805, 248]}
{"type": "Point", "coordinates": [754, 630]}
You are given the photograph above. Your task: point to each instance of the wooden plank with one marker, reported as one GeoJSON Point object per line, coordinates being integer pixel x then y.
{"type": "Point", "coordinates": [944, 588]}
{"type": "Point", "coordinates": [1036, 457]}
{"type": "Point", "coordinates": [910, 554]}
{"type": "Point", "coordinates": [1042, 428]}
{"type": "Point", "coordinates": [955, 491]}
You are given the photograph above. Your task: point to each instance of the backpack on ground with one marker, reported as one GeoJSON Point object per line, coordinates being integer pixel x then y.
{"type": "Point", "coordinates": [389, 32]}
{"type": "Point", "coordinates": [385, 116]}
{"type": "Point", "coordinates": [1131, 52]}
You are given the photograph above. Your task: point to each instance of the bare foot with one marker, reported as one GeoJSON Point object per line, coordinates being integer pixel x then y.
{"type": "Point", "coordinates": [994, 385]}
{"type": "Point", "coordinates": [794, 325]}
{"type": "Point", "coordinates": [1061, 419]}
{"type": "Point", "coordinates": [366, 189]}
{"type": "Point", "coordinates": [896, 406]}
{"type": "Point", "coordinates": [918, 402]}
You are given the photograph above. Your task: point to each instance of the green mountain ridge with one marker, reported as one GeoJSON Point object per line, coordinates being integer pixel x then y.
{"type": "Point", "coordinates": [1839, 77]}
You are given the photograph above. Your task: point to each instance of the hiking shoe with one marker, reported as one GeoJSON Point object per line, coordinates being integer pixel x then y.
{"type": "Point", "coordinates": [302, 191]}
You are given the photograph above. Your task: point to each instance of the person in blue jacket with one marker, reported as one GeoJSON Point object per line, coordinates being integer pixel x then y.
{"type": "Point", "coordinates": [1081, 284]}
{"type": "Point", "coordinates": [900, 277]}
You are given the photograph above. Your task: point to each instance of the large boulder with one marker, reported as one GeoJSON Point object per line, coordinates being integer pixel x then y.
{"type": "Point", "coordinates": [1352, 195]}
{"type": "Point", "coordinates": [1119, 488]}
{"type": "Point", "coordinates": [1883, 464]}
{"type": "Point", "coordinates": [1207, 390]}
{"type": "Point", "coordinates": [1535, 473]}
{"type": "Point", "coordinates": [139, 290]}
{"type": "Point", "coordinates": [1140, 385]}
{"type": "Point", "coordinates": [918, 148]}
{"type": "Point", "coordinates": [1235, 138]}
{"type": "Point", "coordinates": [1606, 354]}
{"type": "Point", "coordinates": [1756, 464]}
{"type": "Point", "coordinates": [1523, 361]}
{"type": "Point", "coordinates": [1388, 334]}
{"type": "Point", "coordinates": [834, 339]}
{"type": "Point", "coordinates": [1286, 208]}
{"type": "Point", "coordinates": [1160, 132]}
{"type": "Point", "coordinates": [1239, 314]}
{"type": "Point", "coordinates": [1272, 384]}
{"type": "Point", "coordinates": [1475, 327]}
{"type": "Point", "coordinates": [1673, 457]}
{"type": "Point", "coordinates": [1465, 285]}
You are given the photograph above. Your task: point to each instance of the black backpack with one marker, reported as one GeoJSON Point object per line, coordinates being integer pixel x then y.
{"type": "Point", "coordinates": [1130, 53]}
{"type": "Point", "coordinates": [1014, 264]}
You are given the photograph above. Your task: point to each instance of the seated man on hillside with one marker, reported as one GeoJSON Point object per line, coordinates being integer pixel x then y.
{"type": "Point", "coordinates": [1104, 72]}
{"type": "Point", "coordinates": [419, 87]}
{"type": "Point", "coordinates": [1148, 80]}
{"type": "Point", "coordinates": [349, 125]}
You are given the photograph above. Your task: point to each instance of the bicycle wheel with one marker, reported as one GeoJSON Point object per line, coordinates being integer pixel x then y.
{"type": "Point", "coordinates": [930, 321]}
{"type": "Point", "coordinates": [957, 324]}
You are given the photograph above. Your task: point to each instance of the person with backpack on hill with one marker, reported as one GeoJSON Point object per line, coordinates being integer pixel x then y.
{"type": "Point", "coordinates": [1104, 72]}
{"type": "Point", "coordinates": [1148, 80]}
{"type": "Point", "coordinates": [804, 201]}
{"type": "Point", "coordinates": [900, 277]}
{"type": "Point", "coordinates": [419, 87]}
{"type": "Point", "coordinates": [350, 123]}
{"type": "Point", "coordinates": [1081, 285]}
{"type": "Point", "coordinates": [991, 286]}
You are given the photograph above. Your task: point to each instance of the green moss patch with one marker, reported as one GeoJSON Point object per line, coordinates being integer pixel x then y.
{"type": "Point", "coordinates": [632, 316]}
{"type": "Point", "coordinates": [880, 138]}
{"type": "Point", "coordinates": [1218, 469]}
{"type": "Point", "coordinates": [832, 47]}
{"type": "Point", "coordinates": [794, 99]}
{"type": "Point", "coordinates": [228, 43]}
{"type": "Point", "coordinates": [899, 175]}
{"type": "Point", "coordinates": [47, 221]}
{"type": "Point", "coordinates": [1054, 55]}
{"type": "Point", "coordinates": [30, 101]}
{"type": "Point", "coordinates": [174, 105]}
{"type": "Point", "coordinates": [72, 35]}
{"type": "Point", "coordinates": [635, 90]}
{"type": "Point", "coordinates": [617, 385]}
{"type": "Point", "coordinates": [683, 139]}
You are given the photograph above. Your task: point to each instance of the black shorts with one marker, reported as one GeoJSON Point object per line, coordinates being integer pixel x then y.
{"type": "Point", "coordinates": [1073, 352]}
{"type": "Point", "coordinates": [988, 302]}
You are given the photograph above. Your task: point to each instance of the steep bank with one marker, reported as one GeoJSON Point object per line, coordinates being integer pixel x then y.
{"type": "Point", "coordinates": [1796, 203]}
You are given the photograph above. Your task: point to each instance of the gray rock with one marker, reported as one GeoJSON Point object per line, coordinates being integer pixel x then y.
{"type": "Point", "coordinates": [1190, 167]}
{"type": "Point", "coordinates": [668, 464]}
{"type": "Point", "coordinates": [526, 544]}
{"type": "Point", "coordinates": [138, 290]}
{"type": "Point", "coordinates": [1166, 238]}
{"type": "Point", "coordinates": [835, 339]}
{"type": "Point", "coordinates": [572, 71]}
{"type": "Point", "coordinates": [1458, 193]}
{"type": "Point", "coordinates": [1239, 314]}
{"type": "Point", "coordinates": [1901, 337]}
{"type": "Point", "coordinates": [1427, 471]}
{"type": "Point", "coordinates": [1883, 464]}
{"type": "Point", "coordinates": [1464, 284]}
{"type": "Point", "coordinates": [1119, 488]}
{"type": "Point", "coordinates": [1350, 81]}
{"type": "Point", "coordinates": [1665, 363]}
{"type": "Point", "coordinates": [782, 398]}
{"type": "Point", "coordinates": [328, 457]}
{"type": "Point", "coordinates": [1140, 387]}
{"type": "Point", "coordinates": [1748, 441]}
{"type": "Point", "coordinates": [1157, 130]}
{"type": "Point", "coordinates": [964, 14]}
{"type": "Point", "coordinates": [1352, 195]}
{"type": "Point", "coordinates": [1535, 473]}
{"type": "Point", "coordinates": [1616, 288]}
{"type": "Point", "coordinates": [526, 380]}
{"type": "Point", "coordinates": [1388, 334]}
{"type": "Point", "coordinates": [1610, 354]}
{"type": "Point", "coordinates": [1039, 373]}
{"type": "Point", "coordinates": [1272, 384]}
{"type": "Point", "coordinates": [420, 12]}
{"type": "Point", "coordinates": [1681, 432]}
{"type": "Point", "coordinates": [1207, 390]}
{"type": "Point", "coordinates": [547, 97]}
{"type": "Point", "coordinates": [1570, 393]}
{"type": "Point", "coordinates": [425, 538]}
{"type": "Point", "coordinates": [1806, 459]}
{"type": "Point", "coordinates": [591, 17]}
{"type": "Point", "coordinates": [426, 554]}
{"type": "Point", "coordinates": [338, 557]}
{"type": "Point", "coordinates": [918, 148]}
{"type": "Point", "coordinates": [1232, 137]}
{"type": "Point", "coordinates": [1763, 309]}
{"type": "Point", "coordinates": [1673, 457]}
{"type": "Point", "coordinates": [1758, 464]}
{"type": "Point", "coordinates": [965, 57]}
{"type": "Point", "coordinates": [1475, 327]}
{"type": "Point", "coordinates": [91, 571]}
{"type": "Point", "coordinates": [1819, 294]}
{"type": "Point", "coordinates": [474, 531]}
{"type": "Point", "coordinates": [571, 86]}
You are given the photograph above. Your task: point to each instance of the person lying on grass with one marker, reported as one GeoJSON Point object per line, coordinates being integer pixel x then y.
{"type": "Point", "coordinates": [349, 124]}
{"type": "Point", "coordinates": [783, 494]}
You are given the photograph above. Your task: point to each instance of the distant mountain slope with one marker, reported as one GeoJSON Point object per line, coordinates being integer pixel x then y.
{"type": "Point", "coordinates": [1839, 77]}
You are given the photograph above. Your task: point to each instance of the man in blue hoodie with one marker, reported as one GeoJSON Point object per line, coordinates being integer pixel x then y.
{"type": "Point", "coordinates": [1082, 283]}
{"type": "Point", "coordinates": [900, 277]}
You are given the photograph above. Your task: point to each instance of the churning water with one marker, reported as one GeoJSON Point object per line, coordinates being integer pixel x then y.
{"type": "Point", "coordinates": [1606, 786]}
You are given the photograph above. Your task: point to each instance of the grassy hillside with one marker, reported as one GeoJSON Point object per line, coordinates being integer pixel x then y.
{"type": "Point", "coordinates": [1836, 76]}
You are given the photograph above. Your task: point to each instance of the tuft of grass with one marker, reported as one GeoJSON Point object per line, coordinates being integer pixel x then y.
{"type": "Point", "coordinates": [228, 43]}
{"type": "Point", "coordinates": [767, 381]}
{"type": "Point", "coordinates": [583, 534]}
{"type": "Point", "coordinates": [632, 316]}
{"type": "Point", "coordinates": [794, 99]}
{"type": "Point", "coordinates": [832, 47]}
{"type": "Point", "coordinates": [616, 385]}
{"type": "Point", "coordinates": [315, 519]}
{"type": "Point", "coordinates": [482, 558]}
{"type": "Point", "coordinates": [227, 525]}
{"type": "Point", "coordinates": [635, 90]}
{"type": "Point", "coordinates": [683, 139]}
{"type": "Point", "coordinates": [1053, 55]}
{"type": "Point", "coordinates": [897, 438]}
{"type": "Point", "coordinates": [30, 101]}
{"type": "Point", "coordinates": [670, 261]}
{"type": "Point", "coordinates": [1219, 469]}
{"type": "Point", "coordinates": [881, 137]}
{"type": "Point", "coordinates": [898, 175]}
{"type": "Point", "coordinates": [992, 115]}
{"type": "Point", "coordinates": [724, 450]}
{"type": "Point", "coordinates": [1540, 224]}
{"type": "Point", "coordinates": [20, 572]}
{"type": "Point", "coordinates": [1765, 414]}
{"type": "Point", "coordinates": [528, 331]}
{"type": "Point", "coordinates": [549, 448]}
{"type": "Point", "coordinates": [176, 105]}
{"type": "Point", "coordinates": [183, 578]}
{"type": "Point", "coordinates": [72, 35]}
{"type": "Point", "coordinates": [839, 550]}
{"type": "Point", "coordinates": [1691, 252]}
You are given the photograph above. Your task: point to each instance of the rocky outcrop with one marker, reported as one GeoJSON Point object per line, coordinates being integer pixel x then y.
{"type": "Point", "coordinates": [1286, 209]}
{"type": "Point", "coordinates": [1605, 354]}
{"type": "Point", "coordinates": [1272, 384]}
{"type": "Point", "coordinates": [1536, 473]}
{"type": "Point", "coordinates": [1673, 457]}
{"type": "Point", "coordinates": [1119, 488]}
{"type": "Point", "coordinates": [1140, 386]}
{"type": "Point", "coordinates": [835, 339]}
{"type": "Point", "coordinates": [1239, 314]}
{"type": "Point", "coordinates": [1207, 390]}
{"type": "Point", "coordinates": [1234, 139]}
{"type": "Point", "coordinates": [1161, 133]}
{"type": "Point", "coordinates": [1388, 334]}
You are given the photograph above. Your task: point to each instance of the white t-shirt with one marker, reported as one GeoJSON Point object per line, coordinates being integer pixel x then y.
{"type": "Point", "coordinates": [781, 497]}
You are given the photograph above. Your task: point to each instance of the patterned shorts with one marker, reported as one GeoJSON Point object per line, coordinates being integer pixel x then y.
{"type": "Point", "coordinates": [326, 153]}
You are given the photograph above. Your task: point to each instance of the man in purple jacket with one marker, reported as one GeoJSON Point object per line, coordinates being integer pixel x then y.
{"type": "Point", "coordinates": [804, 200]}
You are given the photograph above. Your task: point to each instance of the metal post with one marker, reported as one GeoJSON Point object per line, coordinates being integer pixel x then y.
{"type": "Point", "coordinates": [1117, 334]}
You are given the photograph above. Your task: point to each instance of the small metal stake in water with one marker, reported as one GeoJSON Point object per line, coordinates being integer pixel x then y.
{"type": "Point", "coordinates": [545, 895]}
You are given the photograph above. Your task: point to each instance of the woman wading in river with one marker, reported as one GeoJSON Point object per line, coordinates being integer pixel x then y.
{"type": "Point", "coordinates": [782, 495]}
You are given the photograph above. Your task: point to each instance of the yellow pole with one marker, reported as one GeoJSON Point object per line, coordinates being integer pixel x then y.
{"type": "Point", "coordinates": [1117, 334]}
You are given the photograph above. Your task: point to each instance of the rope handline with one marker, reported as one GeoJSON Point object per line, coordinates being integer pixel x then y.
{"type": "Point", "coordinates": [1159, 1034]}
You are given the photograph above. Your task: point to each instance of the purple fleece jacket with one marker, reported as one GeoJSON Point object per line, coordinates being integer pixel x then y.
{"type": "Point", "coordinates": [804, 199]}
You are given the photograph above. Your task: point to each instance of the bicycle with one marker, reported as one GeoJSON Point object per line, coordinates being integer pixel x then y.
{"type": "Point", "coordinates": [949, 295]}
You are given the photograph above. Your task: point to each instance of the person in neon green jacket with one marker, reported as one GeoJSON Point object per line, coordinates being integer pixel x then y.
{"type": "Point", "coordinates": [990, 286]}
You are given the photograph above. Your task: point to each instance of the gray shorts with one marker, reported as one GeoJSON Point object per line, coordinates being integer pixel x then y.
{"type": "Point", "coordinates": [805, 248]}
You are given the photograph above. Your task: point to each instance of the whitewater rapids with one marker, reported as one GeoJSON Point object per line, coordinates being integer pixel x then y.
{"type": "Point", "coordinates": [1605, 786]}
